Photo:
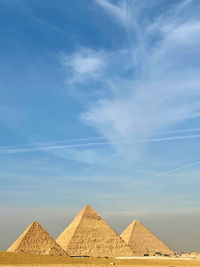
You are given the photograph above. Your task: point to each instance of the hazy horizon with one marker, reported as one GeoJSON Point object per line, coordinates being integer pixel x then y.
{"type": "Point", "coordinates": [177, 231]}
{"type": "Point", "coordinates": [100, 105]}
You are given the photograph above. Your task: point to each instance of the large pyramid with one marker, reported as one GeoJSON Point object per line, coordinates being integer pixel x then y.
{"type": "Point", "coordinates": [90, 235]}
{"type": "Point", "coordinates": [143, 241]}
{"type": "Point", "coordinates": [36, 240]}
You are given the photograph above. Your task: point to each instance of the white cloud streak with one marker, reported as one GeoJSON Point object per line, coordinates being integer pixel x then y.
{"type": "Point", "coordinates": [44, 148]}
{"type": "Point", "coordinates": [183, 130]}
{"type": "Point", "coordinates": [164, 174]}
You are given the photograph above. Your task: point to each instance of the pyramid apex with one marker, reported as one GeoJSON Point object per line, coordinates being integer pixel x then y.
{"type": "Point", "coordinates": [35, 223]}
{"type": "Point", "coordinates": [137, 221]}
{"type": "Point", "coordinates": [88, 211]}
{"type": "Point", "coordinates": [88, 206]}
{"type": "Point", "coordinates": [134, 223]}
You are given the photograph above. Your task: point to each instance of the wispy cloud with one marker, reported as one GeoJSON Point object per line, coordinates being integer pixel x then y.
{"type": "Point", "coordinates": [84, 64]}
{"type": "Point", "coordinates": [163, 87]}
{"type": "Point", "coordinates": [119, 11]}
{"type": "Point", "coordinates": [76, 153]}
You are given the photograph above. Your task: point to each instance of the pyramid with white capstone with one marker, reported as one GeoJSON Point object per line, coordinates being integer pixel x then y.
{"type": "Point", "coordinates": [35, 240]}
{"type": "Point", "coordinates": [90, 235]}
{"type": "Point", "coordinates": [143, 241]}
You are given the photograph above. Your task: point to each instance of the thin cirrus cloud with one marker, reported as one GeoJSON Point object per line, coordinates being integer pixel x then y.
{"type": "Point", "coordinates": [163, 88]}
{"type": "Point", "coordinates": [120, 12]}
{"type": "Point", "coordinates": [84, 65]}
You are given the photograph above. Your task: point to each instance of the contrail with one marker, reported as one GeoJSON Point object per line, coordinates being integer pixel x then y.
{"type": "Point", "coordinates": [152, 178]}
{"type": "Point", "coordinates": [170, 138]}
{"type": "Point", "coordinates": [15, 150]}
{"type": "Point", "coordinates": [37, 144]}
{"type": "Point", "coordinates": [182, 130]}
{"type": "Point", "coordinates": [48, 148]}
{"type": "Point", "coordinates": [72, 140]}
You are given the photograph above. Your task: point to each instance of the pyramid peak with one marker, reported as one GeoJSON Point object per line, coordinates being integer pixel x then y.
{"type": "Point", "coordinates": [137, 222]}
{"type": "Point", "coordinates": [88, 211]}
{"type": "Point", "coordinates": [134, 223]}
{"type": "Point", "coordinates": [88, 207]}
{"type": "Point", "coordinates": [36, 223]}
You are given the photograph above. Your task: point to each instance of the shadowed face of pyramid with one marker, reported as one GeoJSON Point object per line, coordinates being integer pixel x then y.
{"type": "Point", "coordinates": [143, 241]}
{"type": "Point", "coordinates": [90, 235]}
{"type": "Point", "coordinates": [36, 240]}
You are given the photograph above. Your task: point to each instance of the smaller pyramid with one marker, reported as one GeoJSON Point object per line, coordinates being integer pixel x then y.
{"type": "Point", "coordinates": [35, 240]}
{"type": "Point", "coordinates": [90, 235]}
{"type": "Point", "coordinates": [55, 251]}
{"type": "Point", "coordinates": [143, 241]}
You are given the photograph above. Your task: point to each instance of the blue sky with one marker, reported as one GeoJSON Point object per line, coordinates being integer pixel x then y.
{"type": "Point", "coordinates": [100, 105]}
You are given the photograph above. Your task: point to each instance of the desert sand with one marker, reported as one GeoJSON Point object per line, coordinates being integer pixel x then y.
{"type": "Point", "coordinates": [22, 259]}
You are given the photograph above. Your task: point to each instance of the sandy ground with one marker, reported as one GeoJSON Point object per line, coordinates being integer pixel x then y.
{"type": "Point", "coordinates": [25, 260]}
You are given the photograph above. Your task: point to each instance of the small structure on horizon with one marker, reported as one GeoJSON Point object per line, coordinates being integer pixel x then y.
{"type": "Point", "coordinates": [90, 235]}
{"type": "Point", "coordinates": [36, 240]}
{"type": "Point", "coordinates": [143, 241]}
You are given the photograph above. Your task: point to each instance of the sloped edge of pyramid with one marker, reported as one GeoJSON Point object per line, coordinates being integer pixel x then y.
{"type": "Point", "coordinates": [129, 232]}
{"type": "Point", "coordinates": [67, 237]}
{"type": "Point", "coordinates": [16, 243]}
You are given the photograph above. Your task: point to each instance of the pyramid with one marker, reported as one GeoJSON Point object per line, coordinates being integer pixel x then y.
{"type": "Point", "coordinates": [56, 251]}
{"type": "Point", "coordinates": [143, 241]}
{"type": "Point", "coordinates": [35, 240]}
{"type": "Point", "coordinates": [90, 235]}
